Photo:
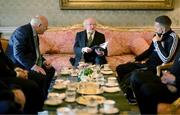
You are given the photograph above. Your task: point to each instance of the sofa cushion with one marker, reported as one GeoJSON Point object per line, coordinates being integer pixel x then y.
{"type": "Point", "coordinates": [114, 61]}
{"type": "Point", "coordinates": [59, 60]}
{"type": "Point", "coordinates": [138, 45]}
{"type": "Point", "coordinates": [58, 41]}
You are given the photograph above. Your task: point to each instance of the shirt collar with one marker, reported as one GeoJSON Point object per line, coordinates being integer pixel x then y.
{"type": "Point", "coordinates": [34, 31]}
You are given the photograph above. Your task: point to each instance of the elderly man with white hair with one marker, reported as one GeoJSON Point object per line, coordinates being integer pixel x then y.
{"type": "Point", "coordinates": [86, 44]}
{"type": "Point", "coordinates": [23, 50]}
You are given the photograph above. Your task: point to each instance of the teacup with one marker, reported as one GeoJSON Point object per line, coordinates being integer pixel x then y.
{"type": "Point", "coordinates": [63, 111]}
{"type": "Point", "coordinates": [108, 105]}
{"type": "Point", "coordinates": [111, 80]}
{"type": "Point", "coordinates": [92, 107]}
{"type": "Point", "coordinates": [106, 67]}
{"type": "Point", "coordinates": [70, 95]}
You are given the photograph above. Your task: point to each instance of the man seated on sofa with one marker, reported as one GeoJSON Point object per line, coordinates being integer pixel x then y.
{"type": "Point", "coordinates": [161, 50]}
{"type": "Point", "coordinates": [86, 43]}
{"type": "Point", "coordinates": [150, 90]}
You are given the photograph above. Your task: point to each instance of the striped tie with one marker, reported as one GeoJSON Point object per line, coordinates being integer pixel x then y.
{"type": "Point", "coordinates": [90, 38]}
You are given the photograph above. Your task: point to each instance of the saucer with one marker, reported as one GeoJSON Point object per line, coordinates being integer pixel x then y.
{"type": "Point", "coordinates": [65, 73]}
{"type": "Point", "coordinates": [111, 111]}
{"type": "Point", "coordinates": [54, 95]}
{"type": "Point", "coordinates": [53, 102]}
{"type": "Point", "coordinates": [62, 110]}
{"type": "Point", "coordinates": [87, 98]}
{"type": "Point", "coordinates": [59, 86]}
{"type": "Point", "coordinates": [107, 69]}
{"type": "Point", "coordinates": [112, 85]}
{"type": "Point", "coordinates": [111, 89]}
{"type": "Point", "coordinates": [106, 72]}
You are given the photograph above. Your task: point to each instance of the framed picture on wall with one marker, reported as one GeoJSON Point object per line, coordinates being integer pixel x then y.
{"type": "Point", "coordinates": [116, 4]}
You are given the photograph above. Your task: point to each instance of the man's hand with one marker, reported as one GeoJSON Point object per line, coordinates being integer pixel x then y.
{"type": "Point", "coordinates": [99, 52]}
{"type": "Point", "coordinates": [21, 73]}
{"type": "Point", "coordinates": [38, 69]}
{"type": "Point", "coordinates": [19, 97]}
{"type": "Point", "coordinates": [86, 50]}
{"type": "Point", "coordinates": [168, 78]}
{"type": "Point", "coordinates": [157, 38]}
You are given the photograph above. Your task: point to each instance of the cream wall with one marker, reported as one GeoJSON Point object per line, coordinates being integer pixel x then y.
{"type": "Point", "coordinates": [17, 12]}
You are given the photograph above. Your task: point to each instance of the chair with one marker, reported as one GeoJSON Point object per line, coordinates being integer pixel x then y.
{"type": "Point", "coordinates": [163, 67]}
{"type": "Point", "coordinates": [164, 108]}
{"type": "Point", "coordinates": [173, 108]}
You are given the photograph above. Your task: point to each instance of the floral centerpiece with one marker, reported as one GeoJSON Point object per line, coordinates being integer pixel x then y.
{"type": "Point", "coordinates": [85, 74]}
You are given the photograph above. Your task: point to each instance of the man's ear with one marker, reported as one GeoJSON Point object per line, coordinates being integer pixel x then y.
{"type": "Point", "coordinates": [39, 25]}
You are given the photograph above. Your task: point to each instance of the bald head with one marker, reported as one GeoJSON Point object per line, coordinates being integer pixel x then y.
{"type": "Point", "coordinates": [39, 23]}
{"type": "Point", "coordinates": [90, 24]}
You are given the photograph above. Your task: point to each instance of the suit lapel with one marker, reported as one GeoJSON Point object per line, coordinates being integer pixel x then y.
{"type": "Point", "coordinates": [84, 39]}
{"type": "Point", "coordinates": [94, 39]}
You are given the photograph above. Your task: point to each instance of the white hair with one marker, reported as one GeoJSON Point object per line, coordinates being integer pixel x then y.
{"type": "Point", "coordinates": [35, 21]}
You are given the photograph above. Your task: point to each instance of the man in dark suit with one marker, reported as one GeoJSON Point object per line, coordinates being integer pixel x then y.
{"type": "Point", "coordinates": [23, 49]}
{"type": "Point", "coordinates": [12, 75]}
{"type": "Point", "coordinates": [86, 44]}
{"type": "Point", "coordinates": [151, 89]}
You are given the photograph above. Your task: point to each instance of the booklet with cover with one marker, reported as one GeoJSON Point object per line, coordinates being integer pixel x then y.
{"type": "Point", "coordinates": [101, 46]}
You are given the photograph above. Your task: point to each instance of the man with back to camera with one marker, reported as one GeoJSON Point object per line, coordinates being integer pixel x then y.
{"type": "Point", "coordinates": [162, 50]}
{"type": "Point", "coordinates": [150, 90]}
{"type": "Point", "coordinates": [12, 76]}
{"type": "Point", "coordinates": [85, 44]}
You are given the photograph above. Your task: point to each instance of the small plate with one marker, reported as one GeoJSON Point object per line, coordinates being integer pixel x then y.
{"type": "Point", "coordinates": [54, 95]}
{"type": "Point", "coordinates": [89, 91]}
{"type": "Point", "coordinates": [106, 72]}
{"type": "Point", "coordinates": [111, 89]}
{"type": "Point", "coordinates": [53, 102]}
{"type": "Point", "coordinates": [107, 69]}
{"type": "Point", "coordinates": [111, 111]}
{"type": "Point", "coordinates": [111, 85]}
{"type": "Point", "coordinates": [62, 110]}
{"type": "Point", "coordinates": [65, 72]}
{"type": "Point", "coordinates": [59, 86]}
{"type": "Point", "coordinates": [87, 98]}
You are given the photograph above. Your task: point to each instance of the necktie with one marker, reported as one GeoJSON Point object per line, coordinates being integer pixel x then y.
{"type": "Point", "coordinates": [90, 38]}
{"type": "Point", "coordinates": [38, 55]}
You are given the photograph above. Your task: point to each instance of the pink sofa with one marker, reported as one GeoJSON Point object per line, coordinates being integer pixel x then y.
{"type": "Point", "coordinates": [56, 44]}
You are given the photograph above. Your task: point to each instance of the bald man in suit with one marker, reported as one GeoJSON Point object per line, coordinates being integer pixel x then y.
{"type": "Point", "coordinates": [86, 42]}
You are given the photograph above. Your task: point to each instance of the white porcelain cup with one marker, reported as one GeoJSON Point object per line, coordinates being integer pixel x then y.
{"type": "Point", "coordinates": [92, 107]}
{"type": "Point", "coordinates": [63, 111]}
{"type": "Point", "coordinates": [106, 67]}
{"type": "Point", "coordinates": [70, 95]}
{"type": "Point", "coordinates": [108, 105]}
{"type": "Point", "coordinates": [111, 80]}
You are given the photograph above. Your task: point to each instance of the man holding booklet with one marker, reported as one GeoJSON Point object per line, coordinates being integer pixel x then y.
{"type": "Point", "coordinates": [90, 45]}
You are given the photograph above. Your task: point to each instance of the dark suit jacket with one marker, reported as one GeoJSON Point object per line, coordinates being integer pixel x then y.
{"type": "Point", "coordinates": [21, 48]}
{"type": "Point", "coordinates": [81, 41]}
{"type": "Point", "coordinates": [6, 65]}
{"type": "Point", "coordinates": [175, 69]}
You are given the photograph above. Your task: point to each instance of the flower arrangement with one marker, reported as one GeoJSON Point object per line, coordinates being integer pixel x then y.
{"type": "Point", "coordinates": [85, 74]}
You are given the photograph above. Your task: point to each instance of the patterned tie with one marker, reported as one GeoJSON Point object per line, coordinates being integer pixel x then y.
{"type": "Point", "coordinates": [90, 38]}
{"type": "Point", "coordinates": [38, 55]}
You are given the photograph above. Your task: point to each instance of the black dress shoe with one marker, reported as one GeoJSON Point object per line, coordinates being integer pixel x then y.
{"type": "Point", "coordinates": [132, 101]}
{"type": "Point", "coordinates": [130, 97]}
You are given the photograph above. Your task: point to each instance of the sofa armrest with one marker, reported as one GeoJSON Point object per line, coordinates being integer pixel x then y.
{"type": "Point", "coordinates": [4, 43]}
{"type": "Point", "coordinates": [163, 67]}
